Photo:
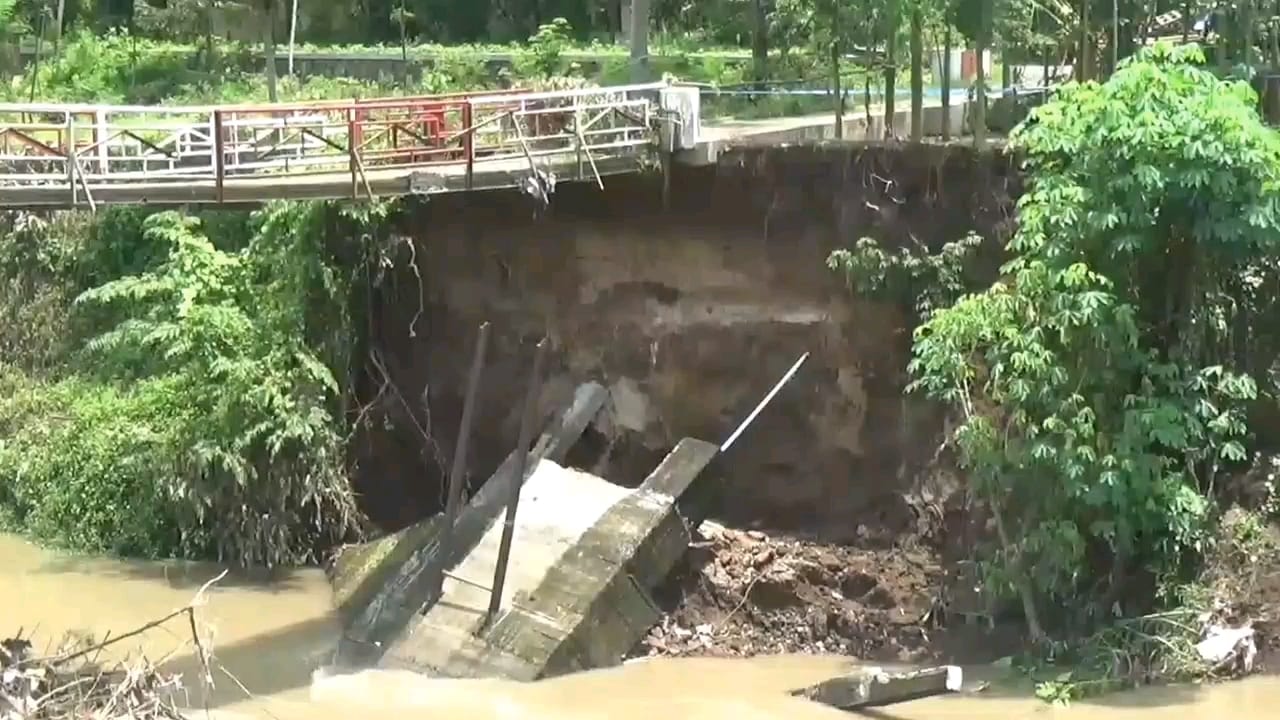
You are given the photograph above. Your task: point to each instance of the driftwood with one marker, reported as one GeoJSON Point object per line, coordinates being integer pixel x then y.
{"type": "Point", "coordinates": [881, 686]}
{"type": "Point", "coordinates": [73, 682]}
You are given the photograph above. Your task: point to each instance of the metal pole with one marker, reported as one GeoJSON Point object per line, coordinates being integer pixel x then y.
{"type": "Point", "coordinates": [785, 379]}
{"type": "Point", "coordinates": [456, 479]}
{"type": "Point", "coordinates": [517, 480]}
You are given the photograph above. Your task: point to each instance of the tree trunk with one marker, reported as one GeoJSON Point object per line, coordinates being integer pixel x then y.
{"type": "Point", "coordinates": [404, 44]}
{"type": "Point", "coordinates": [1006, 70]}
{"type": "Point", "coordinates": [640, 41]}
{"type": "Point", "coordinates": [917, 74]}
{"type": "Point", "coordinates": [891, 65]}
{"type": "Point", "coordinates": [946, 81]}
{"type": "Point", "coordinates": [1020, 579]}
{"type": "Point", "coordinates": [980, 90]}
{"type": "Point", "coordinates": [269, 37]}
{"type": "Point", "coordinates": [837, 91]}
{"type": "Point", "coordinates": [58, 21]}
{"type": "Point", "coordinates": [760, 44]}
{"type": "Point", "coordinates": [1275, 37]}
{"type": "Point", "coordinates": [1247, 30]}
{"type": "Point", "coordinates": [1082, 57]}
{"type": "Point", "coordinates": [208, 36]}
{"type": "Point", "coordinates": [1115, 36]}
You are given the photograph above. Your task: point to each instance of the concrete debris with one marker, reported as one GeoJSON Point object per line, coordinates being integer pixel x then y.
{"type": "Point", "coordinates": [1228, 648]}
{"type": "Point", "coordinates": [881, 686]}
{"type": "Point", "coordinates": [539, 185]}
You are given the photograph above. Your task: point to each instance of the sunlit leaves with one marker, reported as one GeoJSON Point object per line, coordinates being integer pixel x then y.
{"type": "Point", "coordinates": [1096, 382]}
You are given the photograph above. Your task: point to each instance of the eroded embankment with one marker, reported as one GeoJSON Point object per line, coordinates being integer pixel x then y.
{"type": "Point", "coordinates": [688, 314]}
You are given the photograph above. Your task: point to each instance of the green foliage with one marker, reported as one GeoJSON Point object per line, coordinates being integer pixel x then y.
{"type": "Point", "coordinates": [205, 404]}
{"type": "Point", "coordinates": [545, 54]}
{"type": "Point", "coordinates": [83, 464]}
{"type": "Point", "coordinates": [1098, 383]}
{"type": "Point", "coordinates": [927, 281]}
{"type": "Point", "coordinates": [118, 68]}
{"type": "Point", "coordinates": [37, 257]}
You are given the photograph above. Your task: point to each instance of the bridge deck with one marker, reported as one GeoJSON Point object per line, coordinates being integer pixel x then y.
{"type": "Point", "coordinates": [391, 182]}
{"type": "Point", "coordinates": [58, 156]}
{"type": "Point", "coordinates": [86, 155]}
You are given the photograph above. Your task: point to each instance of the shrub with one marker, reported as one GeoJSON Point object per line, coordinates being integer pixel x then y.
{"type": "Point", "coordinates": [203, 420]}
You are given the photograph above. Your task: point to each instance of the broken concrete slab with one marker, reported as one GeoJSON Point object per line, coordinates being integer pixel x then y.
{"type": "Point", "coordinates": [558, 506]}
{"type": "Point", "coordinates": [380, 585]}
{"type": "Point", "coordinates": [594, 605]}
{"type": "Point", "coordinates": [870, 686]}
{"type": "Point", "coordinates": [578, 594]}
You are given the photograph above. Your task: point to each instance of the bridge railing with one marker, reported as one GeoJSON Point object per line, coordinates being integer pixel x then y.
{"type": "Point", "coordinates": [80, 148]}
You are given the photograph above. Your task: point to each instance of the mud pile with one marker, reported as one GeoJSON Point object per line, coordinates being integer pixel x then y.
{"type": "Point", "coordinates": [746, 593]}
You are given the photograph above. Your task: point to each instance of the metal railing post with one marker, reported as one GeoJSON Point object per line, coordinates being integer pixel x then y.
{"type": "Point", "coordinates": [469, 141]}
{"type": "Point", "coordinates": [527, 420]}
{"type": "Point", "coordinates": [453, 501]}
{"type": "Point", "coordinates": [69, 152]}
{"type": "Point", "coordinates": [353, 141]}
{"type": "Point", "coordinates": [219, 168]}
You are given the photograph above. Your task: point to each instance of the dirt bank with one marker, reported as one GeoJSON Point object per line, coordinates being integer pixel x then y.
{"type": "Point", "coordinates": [688, 312]}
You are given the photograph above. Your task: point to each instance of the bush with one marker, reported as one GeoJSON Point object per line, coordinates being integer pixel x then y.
{"type": "Point", "coordinates": [203, 420]}
{"type": "Point", "coordinates": [84, 465]}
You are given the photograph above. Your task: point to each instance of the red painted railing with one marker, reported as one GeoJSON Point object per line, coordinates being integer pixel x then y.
{"type": "Point", "coordinates": [67, 152]}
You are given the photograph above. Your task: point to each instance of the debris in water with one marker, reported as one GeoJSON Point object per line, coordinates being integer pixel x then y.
{"type": "Point", "coordinates": [72, 682]}
{"type": "Point", "coordinates": [1226, 647]}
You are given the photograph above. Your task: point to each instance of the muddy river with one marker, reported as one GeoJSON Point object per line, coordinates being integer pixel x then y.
{"type": "Point", "coordinates": [269, 637]}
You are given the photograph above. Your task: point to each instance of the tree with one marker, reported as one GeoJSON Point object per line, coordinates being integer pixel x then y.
{"type": "Point", "coordinates": [819, 23]}
{"type": "Point", "coordinates": [1098, 384]}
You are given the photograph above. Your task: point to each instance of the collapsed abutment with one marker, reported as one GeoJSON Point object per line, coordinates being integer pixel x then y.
{"type": "Point", "coordinates": [586, 558]}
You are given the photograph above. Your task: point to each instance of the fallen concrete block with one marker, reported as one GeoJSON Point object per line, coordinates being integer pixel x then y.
{"type": "Point", "coordinates": [880, 686]}
{"type": "Point", "coordinates": [380, 586]}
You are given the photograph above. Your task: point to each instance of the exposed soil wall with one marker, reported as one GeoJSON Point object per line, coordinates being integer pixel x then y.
{"type": "Point", "coordinates": [689, 312]}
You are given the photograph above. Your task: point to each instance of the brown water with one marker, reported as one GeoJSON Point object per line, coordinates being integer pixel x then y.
{"type": "Point", "coordinates": [271, 637]}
